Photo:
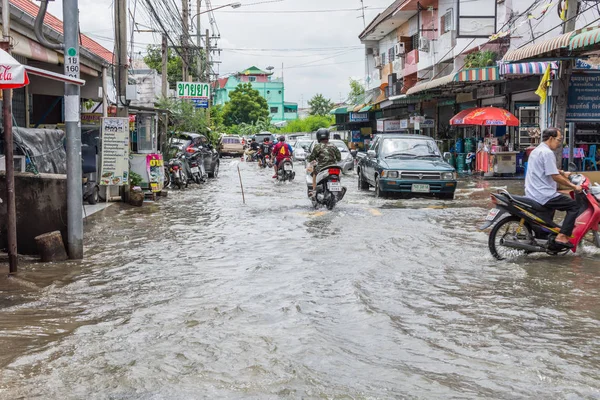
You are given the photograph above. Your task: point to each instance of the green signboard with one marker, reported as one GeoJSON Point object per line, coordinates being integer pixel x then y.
{"type": "Point", "coordinates": [193, 90]}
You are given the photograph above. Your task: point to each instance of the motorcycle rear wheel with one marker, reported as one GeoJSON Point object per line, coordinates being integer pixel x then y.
{"type": "Point", "coordinates": [507, 229]}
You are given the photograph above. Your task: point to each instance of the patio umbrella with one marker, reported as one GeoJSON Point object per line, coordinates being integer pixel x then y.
{"type": "Point", "coordinates": [490, 116]}
{"type": "Point", "coordinates": [458, 119]}
{"type": "Point", "coordinates": [12, 76]}
{"type": "Point", "coordinates": [12, 73]}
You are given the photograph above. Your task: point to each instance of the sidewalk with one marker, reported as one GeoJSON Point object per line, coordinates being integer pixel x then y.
{"type": "Point", "coordinates": [89, 209]}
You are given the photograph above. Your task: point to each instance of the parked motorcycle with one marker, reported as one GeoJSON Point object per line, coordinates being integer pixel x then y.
{"type": "Point", "coordinates": [329, 187]}
{"type": "Point", "coordinates": [529, 226]}
{"type": "Point", "coordinates": [285, 171]}
{"type": "Point", "coordinates": [195, 158]}
{"type": "Point", "coordinates": [178, 170]}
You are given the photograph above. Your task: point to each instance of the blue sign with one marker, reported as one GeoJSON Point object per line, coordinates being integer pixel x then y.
{"type": "Point", "coordinates": [200, 103]}
{"type": "Point", "coordinates": [356, 136]}
{"type": "Point", "coordinates": [359, 117]}
{"type": "Point", "coordinates": [584, 97]}
{"type": "Point", "coordinates": [580, 64]}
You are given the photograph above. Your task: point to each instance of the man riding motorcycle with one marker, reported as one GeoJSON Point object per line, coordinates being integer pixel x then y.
{"type": "Point", "coordinates": [264, 149]}
{"type": "Point", "coordinates": [325, 154]}
{"type": "Point", "coordinates": [281, 151]}
{"type": "Point", "coordinates": [541, 184]}
{"type": "Point", "coordinates": [252, 149]}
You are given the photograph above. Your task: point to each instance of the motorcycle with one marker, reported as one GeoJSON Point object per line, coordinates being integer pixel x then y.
{"type": "Point", "coordinates": [329, 187]}
{"type": "Point", "coordinates": [529, 226]}
{"type": "Point", "coordinates": [285, 172]}
{"type": "Point", "coordinates": [177, 171]}
{"type": "Point", "coordinates": [265, 162]}
{"type": "Point", "coordinates": [195, 159]}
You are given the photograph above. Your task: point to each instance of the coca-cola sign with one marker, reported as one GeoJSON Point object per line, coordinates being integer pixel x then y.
{"type": "Point", "coordinates": [6, 72]}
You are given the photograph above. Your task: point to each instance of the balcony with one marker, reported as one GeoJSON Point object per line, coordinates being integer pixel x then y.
{"type": "Point", "coordinates": [411, 62]}
{"type": "Point", "coordinates": [444, 46]}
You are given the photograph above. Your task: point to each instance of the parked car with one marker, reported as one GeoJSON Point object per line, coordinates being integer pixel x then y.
{"type": "Point", "coordinates": [406, 164]}
{"type": "Point", "coordinates": [186, 141]}
{"type": "Point", "coordinates": [260, 137]}
{"type": "Point", "coordinates": [231, 146]}
{"type": "Point", "coordinates": [347, 163]}
{"type": "Point", "coordinates": [301, 148]}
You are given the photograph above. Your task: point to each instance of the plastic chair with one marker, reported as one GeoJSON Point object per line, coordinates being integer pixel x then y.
{"type": "Point", "coordinates": [591, 157]}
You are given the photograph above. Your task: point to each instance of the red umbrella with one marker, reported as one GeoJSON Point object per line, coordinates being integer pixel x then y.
{"type": "Point", "coordinates": [490, 116]}
{"type": "Point", "coordinates": [459, 118]}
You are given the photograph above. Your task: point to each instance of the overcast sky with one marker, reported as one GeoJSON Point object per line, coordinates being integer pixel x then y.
{"type": "Point", "coordinates": [319, 50]}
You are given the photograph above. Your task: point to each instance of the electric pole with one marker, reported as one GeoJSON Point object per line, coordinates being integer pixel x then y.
{"type": "Point", "coordinates": [165, 62]}
{"type": "Point", "coordinates": [121, 41]}
{"type": "Point", "coordinates": [208, 76]}
{"type": "Point", "coordinates": [199, 41]}
{"type": "Point", "coordinates": [11, 205]}
{"type": "Point", "coordinates": [566, 68]}
{"type": "Point", "coordinates": [185, 16]}
{"type": "Point", "coordinates": [73, 128]}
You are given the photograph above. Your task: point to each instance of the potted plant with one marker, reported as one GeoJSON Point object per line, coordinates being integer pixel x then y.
{"type": "Point", "coordinates": [136, 196]}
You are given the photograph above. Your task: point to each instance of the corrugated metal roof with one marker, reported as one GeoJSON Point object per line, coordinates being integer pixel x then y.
{"type": "Point", "coordinates": [538, 49]}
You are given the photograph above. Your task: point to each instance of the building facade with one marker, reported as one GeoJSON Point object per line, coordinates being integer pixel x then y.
{"type": "Point", "coordinates": [272, 89]}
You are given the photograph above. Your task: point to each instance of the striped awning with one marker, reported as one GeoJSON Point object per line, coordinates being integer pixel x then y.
{"type": "Point", "coordinates": [432, 84]}
{"type": "Point", "coordinates": [585, 40]}
{"type": "Point", "coordinates": [527, 68]}
{"type": "Point", "coordinates": [478, 74]}
{"type": "Point", "coordinates": [536, 50]}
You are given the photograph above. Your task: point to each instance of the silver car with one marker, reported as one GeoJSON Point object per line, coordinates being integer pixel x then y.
{"type": "Point", "coordinates": [347, 163]}
{"type": "Point", "coordinates": [301, 148]}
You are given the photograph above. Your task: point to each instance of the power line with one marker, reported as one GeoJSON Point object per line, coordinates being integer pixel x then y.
{"type": "Point", "coordinates": [302, 11]}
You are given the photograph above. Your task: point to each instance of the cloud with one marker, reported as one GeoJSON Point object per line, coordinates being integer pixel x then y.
{"type": "Point", "coordinates": [319, 51]}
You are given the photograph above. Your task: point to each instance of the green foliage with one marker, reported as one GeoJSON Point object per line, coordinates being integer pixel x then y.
{"type": "Point", "coordinates": [135, 179]}
{"type": "Point", "coordinates": [481, 59]}
{"type": "Point", "coordinates": [153, 59]}
{"type": "Point", "coordinates": [309, 124]}
{"type": "Point", "coordinates": [356, 92]}
{"type": "Point", "coordinates": [244, 129]}
{"type": "Point", "coordinates": [246, 105]}
{"type": "Point", "coordinates": [319, 105]}
{"type": "Point", "coordinates": [184, 117]}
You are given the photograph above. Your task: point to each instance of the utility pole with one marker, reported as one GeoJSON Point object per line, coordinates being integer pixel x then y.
{"type": "Point", "coordinates": [121, 41]}
{"type": "Point", "coordinates": [566, 68]}
{"type": "Point", "coordinates": [208, 76]}
{"type": "Point", "coordinates": [185, 16]}
{"type": "Point", "coordinates": [199, 41]}
{"type": "Point", "coordinates": [11, 205]}
{"type": "Point", "coordinates": [165, 62]}
{"type": "Point", "coordinates": [362, 6]}
{"type": "Point", "coordinates": [73, 128]}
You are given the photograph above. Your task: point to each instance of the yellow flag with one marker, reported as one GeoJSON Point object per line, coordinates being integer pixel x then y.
{"type": "Point", "coordinates": [563, 13]}
{"type": "Point", "coordinates": [542, 90]}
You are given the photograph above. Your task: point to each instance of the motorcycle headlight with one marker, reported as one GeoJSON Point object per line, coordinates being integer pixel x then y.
{"type": "Point", "coordinates": [390, 174]}
{"type": "Point", "coordinates": [449, 176]}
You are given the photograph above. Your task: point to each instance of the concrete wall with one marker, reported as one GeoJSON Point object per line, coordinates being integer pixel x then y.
{"type": "Point", "coordinates": [41, 208]}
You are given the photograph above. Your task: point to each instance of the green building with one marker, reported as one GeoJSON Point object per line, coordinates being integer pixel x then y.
{"type": "Point", "coordinates": [272, 89]}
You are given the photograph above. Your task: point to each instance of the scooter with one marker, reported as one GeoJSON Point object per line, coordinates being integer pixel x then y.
{"type": "Point", "coordinates": [196, 163]}
{"type": "Point", "coordinates": [529, 226]}
{"type": "Point", "coordinates": [285, 171]}
{"type": "Point", "coordinates": [177, 170]}
{"type": "Point", "coordinates": [329, 187]}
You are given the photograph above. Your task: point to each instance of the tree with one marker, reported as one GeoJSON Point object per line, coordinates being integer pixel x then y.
{"type": "Point", "coordinates": [153, 59]}
{"type": "Point", "coordinates": [246, 105]}
{"type": "Point", "coordinates": [319, 105]}
{"type": "Point", "coordinates": [309, 124]}
{"type": "Point", "coordinates": [356, 92]}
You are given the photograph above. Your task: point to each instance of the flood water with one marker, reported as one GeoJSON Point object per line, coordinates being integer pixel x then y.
{"type": "Point", "coordinates": [198, 296]}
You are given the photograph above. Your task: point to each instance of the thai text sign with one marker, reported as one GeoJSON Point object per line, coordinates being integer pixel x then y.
{"type": "Point", "coordinates": [584, 97]}
{"type": "Point", "coordinates": [156, 172]}
{"type": "Point", "coordinates": [193, 90]}
{"type": "Point", "coordinates": [115, 151]}
{"type": "Point", "coordinates": [359, 117]}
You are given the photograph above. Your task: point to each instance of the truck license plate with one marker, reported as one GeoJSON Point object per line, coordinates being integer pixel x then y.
{"type": "Point", "coordinates": [420, 188]}
{"type": "Point", "coordinates": [334, 186]}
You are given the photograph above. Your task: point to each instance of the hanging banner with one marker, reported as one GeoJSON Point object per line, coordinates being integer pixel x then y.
{"type": "Point", "coordinates": [115, 152]}
{"type": "Point", "coordinates": [156, 172]}
{"type": "Point", "coordinates": [356, 136]}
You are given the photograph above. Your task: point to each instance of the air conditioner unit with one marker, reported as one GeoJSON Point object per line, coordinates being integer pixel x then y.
{"type": "Point", "coordinates": [423, 44]}
{"type": "Point", "coordinates": [399, 49]}
{"type": "Point", "coordinates": [377, 61]}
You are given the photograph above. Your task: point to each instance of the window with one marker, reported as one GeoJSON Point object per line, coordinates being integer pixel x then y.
{"type": "Point", "coordinates": [392, 54]}
{"type": "Point", "coordinates": [446, 21]}
{"type": "Point", "coordinates": [280, 92]}
{"type": "Point", "coordinates": [252, 78]}
{"type": "Point", "coordinates": [383, 59]}
{"type": "Point", "coordinates": [274, 110]}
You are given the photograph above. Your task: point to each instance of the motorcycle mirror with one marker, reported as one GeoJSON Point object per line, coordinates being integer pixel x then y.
{"type": "Point", "coordinates": [353, 152]}
{"type": "Point", "coordinates": [572, 167]}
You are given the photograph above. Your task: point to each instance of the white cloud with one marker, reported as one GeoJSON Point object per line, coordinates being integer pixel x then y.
{"type": "Point", "coordinates": [268, 39]}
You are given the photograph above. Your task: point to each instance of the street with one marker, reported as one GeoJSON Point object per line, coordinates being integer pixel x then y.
{"type": "Point", "coordinates": [199, 296]}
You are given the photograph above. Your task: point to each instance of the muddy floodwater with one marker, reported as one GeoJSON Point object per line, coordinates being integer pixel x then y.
{"type": "Point", "coordinates": [198, 296]}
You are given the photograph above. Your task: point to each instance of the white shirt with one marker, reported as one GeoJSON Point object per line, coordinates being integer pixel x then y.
{"type": "Point", "coordinates": [539, 184]}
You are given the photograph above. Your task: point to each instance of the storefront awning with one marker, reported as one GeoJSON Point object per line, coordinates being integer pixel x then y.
{"type": "Point", "coordinates": [434, 83]}
{"type": "Point", "coordinates": [366, 108]}
{"type": "Point", "coordinates": [357, 108]}
{"type": "Point", "coordinates": [528, 68]}
{"type": "Point", "coordinates": [538, 49]}
{"type": "Point", "coordinates": [339, 110]}
{"type": "Point", "coordinates": [478, 75]}
{"type": "Point", "coordinates": [53, 75]}
{"type": "Point", "coordinates": [585, 40]}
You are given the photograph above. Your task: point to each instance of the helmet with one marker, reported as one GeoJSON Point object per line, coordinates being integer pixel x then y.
{"type": "Point", "coordinates": [322, 134]}
{"type": "Point", "coordinates": [282, 138]}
